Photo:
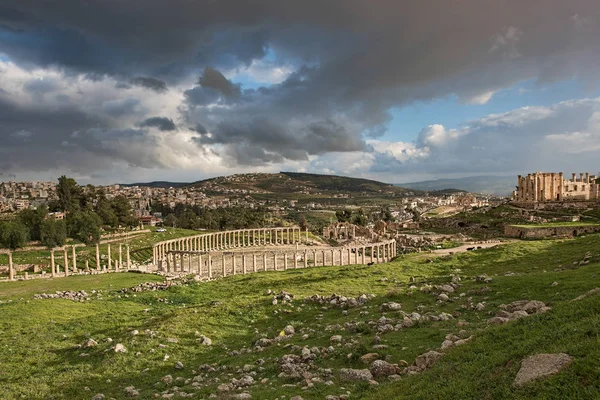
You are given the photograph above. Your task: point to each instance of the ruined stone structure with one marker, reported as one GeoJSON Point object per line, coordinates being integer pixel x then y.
{"type": "Point", "coordinates": [70, 266]}
{"type": "Point", "coordinates": [543, 187]}
{"type": "Point", "coordinates": [341, 230]}
{"type": "Point", "coordinates": [541, 232]}
{"type": "Point", "coordinates": [226, 253]}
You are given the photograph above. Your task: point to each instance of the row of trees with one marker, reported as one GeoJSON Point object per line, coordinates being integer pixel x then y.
{"type": "Point", "coordinates": [87, 211]}
{"type": "Point", "coordinates": [196, 217]}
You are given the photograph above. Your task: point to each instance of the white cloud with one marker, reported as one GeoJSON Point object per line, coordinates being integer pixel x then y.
{"type": "Point", "coordinates": [262, 72]}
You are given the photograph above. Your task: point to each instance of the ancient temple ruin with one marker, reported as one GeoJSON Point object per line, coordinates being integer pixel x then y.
{"type": "Point", "coordinates": [542, 187]}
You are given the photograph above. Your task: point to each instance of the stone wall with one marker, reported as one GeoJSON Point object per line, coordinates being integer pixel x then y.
{"type": "Point", "coordinates": [549, 231]}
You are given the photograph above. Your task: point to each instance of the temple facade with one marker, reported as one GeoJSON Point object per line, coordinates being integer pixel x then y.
{"type": "Point", "coordinates": [542, 187]}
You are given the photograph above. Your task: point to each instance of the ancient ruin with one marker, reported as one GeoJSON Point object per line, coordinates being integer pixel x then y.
{"type": "Point", "coordinates": [544, 187]}
{"type": "Point", "coordinates": [243, 251]}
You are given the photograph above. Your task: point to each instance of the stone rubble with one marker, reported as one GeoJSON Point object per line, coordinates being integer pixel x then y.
{"type": "Point", "coordinates": [518, 309]}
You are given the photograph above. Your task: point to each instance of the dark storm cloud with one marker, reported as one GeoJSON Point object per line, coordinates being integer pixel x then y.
{"type": "Point", "coordinates": [150, 83]}
{"type": "Point", "coordinates": [354, 60]}
{"type": "Point", "coordinates": [213, 79]}
{"type": "Point", "coordinates": [162, 123]}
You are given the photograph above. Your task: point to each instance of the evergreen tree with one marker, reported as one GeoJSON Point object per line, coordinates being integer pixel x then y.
{"type": "Point", "coordinates": [13, 234]}
{"type": "Point", "coordinates": [53, 233]}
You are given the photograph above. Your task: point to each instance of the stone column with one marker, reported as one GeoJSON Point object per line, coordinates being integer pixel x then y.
{"type": "Point", "coordinates": [87, 266]}
{"type": "Point", "coordinates": [244, 264]}
{"type": "Point", "coordinates": [11, 268]}
{"type": "Point", "coordinates": [223, 264]}
{"type": "Point", "coordinates": [190, 262]}
{"type": "Point", "coordinates": [109, 259]}
{"type": "Point", "coordinates": [372, 250]}
{"type": "Point", "coordinates": [200, 264]}
{"type": "Point", "coordinates": [535, 187]}
{"type": "Point", "coordinates": [233, 261]}
{"type": "Point", "coordinates": [285, 262]}
{"type": "Point", "coordinates": [349, 255]}
{"type": "Point", "coordinates": [341, 251]}
{"type": "Point", "coordinates": [52, 264]}
{"type": "Point", "coordinates": [74, 259]}
{"type": "Point", "coordinates": [128, 257]}
{"type": "Point", "coordinates": [363, 254]}
{"type": "Point", "coordinates": [120, 256]}
{"type": "Point", "coordinates": [253, 262]}
{"type": "Point", "coordinates": [306, 235]}
{"type": "Point", "coordinates": [305, 259]}
{"type": "Point", "coordinates": [168, 259]}
{"type": "Point", "coordinates": [274, 261]}
{"type": "Point", "coordinates": [264, 261]}
{"type": "Point", "coordinates": [66, 259]}
{"type": "Point", "coordinates": [209, 266]}
{"type": "Point", "coordinates": [295, 259]}
{"type": "Point", "coordinates": [253, 237]}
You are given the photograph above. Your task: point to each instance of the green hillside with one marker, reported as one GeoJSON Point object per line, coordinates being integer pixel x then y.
{"type": "Point", "coordinates": [41, 353]}
{"type": "Point", "coordinates": [297, 183]}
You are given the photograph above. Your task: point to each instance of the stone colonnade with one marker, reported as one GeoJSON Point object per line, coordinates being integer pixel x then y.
{"type": "Point", "coordinates": [211, 264]}
{"type": "Point", "coordinates": [228, 240]}
{"type": "Point", "coordinates": [70, 265]}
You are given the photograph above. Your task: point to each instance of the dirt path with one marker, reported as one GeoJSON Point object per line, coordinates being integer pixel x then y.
{"type": "Point", "coordinates": [464, 247]}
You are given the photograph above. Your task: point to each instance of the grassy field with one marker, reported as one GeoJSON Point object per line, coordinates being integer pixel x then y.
{"type": "Point", "coordinates": [40, 357]}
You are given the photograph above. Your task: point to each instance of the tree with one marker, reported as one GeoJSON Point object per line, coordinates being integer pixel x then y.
{"type": "Point", "coordinates": [53, 233]}
{"type": "Point", "coordinates": [13, 234]}
{"type": "Point", "coordinates": [170, 220]}
{"type": "Point", "coordinates": [122, 210]}
{"type": "Point", "coordinates": [343, 215]}
{"type": "Point", "coordinates": [84, 226]}
{"type": "Point", "coordinates": [33, 219]}
{"type": "Point", "coordinates": [69, 194]}
{"type": "Point", "coordinates": [302, 223]}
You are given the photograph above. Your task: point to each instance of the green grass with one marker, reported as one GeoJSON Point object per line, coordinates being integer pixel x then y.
{"type": "Point", "coordinates": [38, 362]}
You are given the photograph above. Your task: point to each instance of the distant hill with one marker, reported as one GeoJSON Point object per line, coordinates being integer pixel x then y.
{"type": "Point", "coordinates": [497, 185]}
{"type": "Point", "coordinates": [296, 182]}
{"type": "Point", "coordinates": [157, 184]}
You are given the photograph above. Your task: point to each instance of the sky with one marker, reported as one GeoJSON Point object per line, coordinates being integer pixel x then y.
{"type": "Point", "coordinates": [110, 91]}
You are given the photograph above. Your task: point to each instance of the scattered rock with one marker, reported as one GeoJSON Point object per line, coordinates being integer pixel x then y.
{"type": "Point", "coordinates": [349, 374]}
{"type": "Point", "coordinates": [241, 396]}
{"type": "Point", "coordinates": [335, 339]}
{"type": "Point", "coordinates": [390, 307]}
{"type": "Point", "coordinates": [119, 348]}
{"type": "Point", "coordinates": [80, 295]}
{"type": "Point", "coordinates": [179, 365]}
{"type": "Point", "coordinates": [425, 361]}
{"type": "Point", "coordinates": [90, 343]}
{"type": "Point", "coordinates": [518, 309]}
{"type": "Point", "coordinates": [369, 358]}
{"type": "Point", "coordinates": [288, 330]}
{"type": "Point", "coordinates": [381, 369]}
{"type": "Point", "coordinates": [131, 392]}
{"type": "Point", "coordinates": [443, 297]}
{"type": "Point", "coordinates": [204, 340]}
{"type": "Point", "coordinates": [540, 365]}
